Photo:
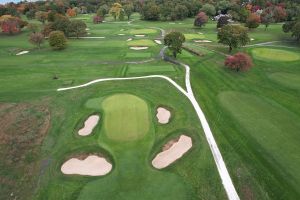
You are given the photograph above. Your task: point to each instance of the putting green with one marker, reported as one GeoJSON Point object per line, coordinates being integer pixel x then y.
{"type": "Point", "coordinates": [146, 68]}
{"type": "Point", "coordinates": [126, 117]}
{"type": "Point", "coordinates": [191, 36]}
{"type": "Point", "coordinates": [274, 129]}
{"type": "Point", "coordinates": [286, 79]}
{"type": "Point", "coordinates": [142, 31]}
{"type": "Point", "coordinates": [142, 42]}
{"type": "Point", "coordinates": [275, 54]}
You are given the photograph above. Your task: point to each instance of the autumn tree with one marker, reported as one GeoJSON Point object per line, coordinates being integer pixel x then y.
{"type": "Point", "coordinates": [115, 10]}
{"type": "Point", "coordinates": [71, 12]}
{"type": "Point", "coordinates": [97, 19]}
{"type": "Point", "coordinates": [41, 16]}
{"type": "Point", "coordinates": [36, 39]}
{"type": "Point", "coordinates": [234, 36]}
{"type": "Point", "coordinates": [76, 28]}
{"type": "Point", "coordinates": [266, 18]}
{"type": "Point", "coordinates": [239, 62]}
{"type": "Point", "coordinates": [11, 25]}
{"type": "Point", "coordinates": [252, 21]}
{"type": "Point", "coordinates": [201, 19]}
{"type": "Point", "coordinates": [33, 27]}
{"type": "Point", "coordinates": [57, 40]}
{"type": "Point", "coordinates": [223, 21]}
{"type": "Point", "coordinates": [174, 40]}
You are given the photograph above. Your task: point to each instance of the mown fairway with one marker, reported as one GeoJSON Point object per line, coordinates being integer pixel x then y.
{"type": "Point", "coordinates": [254, 115]}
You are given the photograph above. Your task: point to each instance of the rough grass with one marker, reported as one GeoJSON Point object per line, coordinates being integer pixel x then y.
{"type": "Point", "coordinates": [286, 79]}
{"type": "Point", "coordinates": [275, 54]}
{"type": "Point", "coordinates": [126, 117]}
{"type": "Point", "coordinates": [141, 42]}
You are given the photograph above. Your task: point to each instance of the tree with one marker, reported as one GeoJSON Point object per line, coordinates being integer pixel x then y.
{"type": "Point", "coordinates": [266, 18]}
{"type": "Point", "coordinates": [288, 26]}
{"type": "Point", "coordinates": [296, 31]}
{"type": "Point", "coordinates": [223, 21]}
{"type": "Point", "coordinates": [115, 10]}
{"type": "Point", "coordinates": [200, 19]}
{"type": "Point", "coordinates": [179, 12]}
{"type": "Point", "coordinates": [41, 16]}
{"type": "Point", "coordinates": [234, 36]}
{"type": "Point", "coordinates": [279, 13]}
{"type": "Point", "coordinates": [128, 9]}
{"type": "Point", "coordinates": [252, 21]}
{"type": "Point", "coordinates": [30, 14]}
{"type": "Point", "coordinates": [76, 28]}
{"type": "Point", "coordinates": [10, 24]}
{"type": "Point", "coordinates": [174, 41]}
{"type": "Point", "coordinates": [61, 24]}
{"type": "Point", "coordinates": [33, 27]}
{"type": "Point", "coordinates": [209, 9]}
{"type": "Point", "coordinates": [150, 11]}
{"type": "Point", "coordinates": [57, 40]}
{"type": "Point", "coordinates": [102, 10]}
{"type": "Point", "coordinates": [239, 62]}
{"type": "Point", "coordinates": [36, 39]}
{"type": "Point", "coordinates": [71, 12]}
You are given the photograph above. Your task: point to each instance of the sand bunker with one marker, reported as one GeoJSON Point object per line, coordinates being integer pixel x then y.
{"type": "Point", "coordinates": [139, 35]}
{"type": "Point", "coordinates": [22, 52]}
{"type": "Point", "coordinates": [90, 166]}
{"type": "Point", "coordinates": [202, 41]}
{"type": "Point", "coordinates": [87, 29]}
{"type": "Point", "coordinates": [163, 115]}
{"type": "Point", "coordinates": [89, 125]}
{"type": "Point", "coordinates": [129, 39]}
{"type": "Point", "coordinates": [121, 34]}
{"type": "Point", "coordinates": [251, 39]}
{"type": "Point", "coordinates": [139, 48]}
{"type": "Point", "coordinates": [158, 41]}
{"type": "Point", "coordinates": [172, 151]}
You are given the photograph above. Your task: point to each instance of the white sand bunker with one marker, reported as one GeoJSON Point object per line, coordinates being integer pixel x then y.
{"type": "Point", "coordinates": [172, 151]}
{"type": "Point", "coordinates": [158, 41]}
{"type": "Point", "coordinates": [22, 52]}
{"type": "Point", "coordinates": [90, 166]}
{"type": "Point", "coordinates": [89, 125]}
{"type": "Point", "coordinates": [202, 41]}
{"type": "Point", "coordinates": [139, 48]}
{"type": "Point", "coordinates": [87, 29]}
{"type": "Point", "coordinates": [129, 39]}
{"type": "Point", "coordinates": [251, 39]}
{"type": "Point", "coordinates": [121, 34]}
{"type": "Point", "coordinates": [139, 35]}
{"type": "Point", "coordinates": [163, 115]}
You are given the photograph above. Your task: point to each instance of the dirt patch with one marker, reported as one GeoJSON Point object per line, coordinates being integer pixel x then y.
{"type": "Point", "coordinates": [172, 151]}
{"type": "Point", "coordinates": [91, 165]}
{"type": "Point", "coordinates": [23, 128]}
{"type": "Point", "coordinates": [89, 125]}
{"type": "Point", "coordinates": [163, 115]}
{"type": "Point", "coordinates": [139, 48]}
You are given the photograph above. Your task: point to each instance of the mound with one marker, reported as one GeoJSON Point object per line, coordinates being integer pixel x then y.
{"type": "Point", "coordinates": [275, 54]}
{"type": "Point", "coordinates": [126, 117]}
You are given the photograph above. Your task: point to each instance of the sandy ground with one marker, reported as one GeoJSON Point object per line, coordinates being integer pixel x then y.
{"type": "Point", "coordinates": [89, 125]}
{"type": "Point", "coordinates": [163, 115]}
{"type": "Point", "coordinates": [129, 39]}
{"type": "Point", "coordinates": [139, 35]}
{"type": "Point", "coordinates": [173, 152]}
{"type": "Point", "coordinates": [139, 48]}
{"type": "Point", "coordinates": [202, 41]}
{"type": "Point", "coordinates": [158, 41]}
{"type": "Point", "coordinates": [90, 166]}
{"type": "Point", "coordinates": [22, 52]}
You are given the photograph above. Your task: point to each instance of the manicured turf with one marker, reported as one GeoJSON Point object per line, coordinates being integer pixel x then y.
{"type": "Point", "coordinates": [286, 79]}
{"type": "Point", "coordinates": [193, 36]}
{"type": "Point", "coordinates": [138, 55]}
{"type": "Point", "coordinates": [141, 42]}
{"type": "Point", "coordinates": [126, 117]}
{"type": "Point", "coordinates": [132, 69]}
{"type": "Point", "coordinates": [275, 54]}
{"type": "Point", "coordinates": [143, 31]}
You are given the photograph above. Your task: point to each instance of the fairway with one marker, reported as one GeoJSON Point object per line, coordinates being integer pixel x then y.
{"type": "Point", "coordinates": [132, 69]}
{"type": "Point", "coordinates": [142, 31]}
{"type": "Point", "coordinates": [275, 54]}
{"type": "Point", "coordinates": [190, 36]}
{"type": "Point", "coordinates": [141, 42]}
{"type": "Point", "coordinates": [126, 117]}
{"type": "Point", "coordinates": [138, 55]}
{"type": "Point", "coordinates": [286, 79]}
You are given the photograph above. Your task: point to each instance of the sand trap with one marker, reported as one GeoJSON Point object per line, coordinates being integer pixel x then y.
{"type": "Point", "coordinates": [163, 115]}
{"type": "Point", "coordinates": [139, 48]}
{"type": "Point", "coordinates": [172, 151]}
{"type": "Point", "coordinates": [202, 41]}
{"type": "Point", "coordinates": [87, 29]}
{"type": "Point", "coordinates": [158, 41]}
{"type": "Point", "coordinates": [251, 39]}
{"type": "Point", "coordinates": [89, 125]}
{"type": "Point", "coordinates": [121, 34]}
{"type": "Point", "coordinates": [200, 33]}
{"type": "Point", "coordinates": [22, 52]}
{"type": "Point", "coordinates": [139, 35]}
{"type": "Point", "coordinates": [90, 166]}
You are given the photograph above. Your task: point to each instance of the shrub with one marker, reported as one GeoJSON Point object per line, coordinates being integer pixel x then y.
{"type": "Point", "coordinates": [57, 40]}
{"type": "Point", "coordinates": [36, 39]}
{"type": "Point", "coordinates": [200, 19]}
{"type": "Point", "coordinates": [97, 19]}
{"type": "Point", "coordinates": [239, 62]}
{"type": "Point", "coordinates": [76, 28]}
{"type": "Point", "coordinates": [223, 21]}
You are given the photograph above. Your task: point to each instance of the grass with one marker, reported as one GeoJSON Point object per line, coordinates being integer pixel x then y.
{"type": "Point", "coordinates": [132, 69]}
{"type": "Point", "coordinates": [286, 79]}
{"type": "Point", "coordinates": [143, 31]}
{"type": "Point", "coordinates": [141, 42]}
{"type": "Point", "coordinates": [189, 36]}
{"type": "Point", "coordinates": [126, 117]}
{"type": "Point", "coordinates": [275, 54]}
{"type": "Point", "coordinates": [138, 55]}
